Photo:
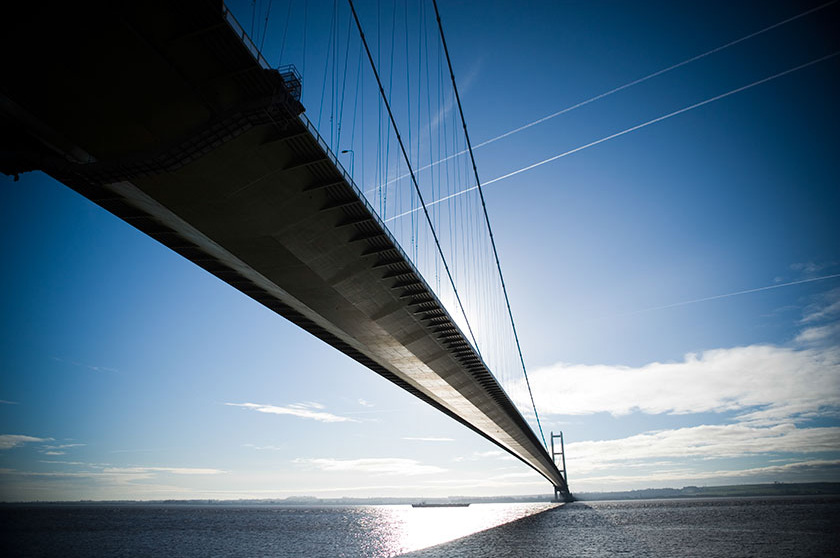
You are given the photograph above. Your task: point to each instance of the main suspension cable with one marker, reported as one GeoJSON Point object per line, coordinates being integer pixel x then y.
{"type": "Point", "coordinates": [487, 218]}
{"type": "Point", "coordinates": [411, 171]}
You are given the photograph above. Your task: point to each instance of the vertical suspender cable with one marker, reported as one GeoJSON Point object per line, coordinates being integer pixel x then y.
{"type": "Point", "coordinates": [411, 171]}
{"type": "Point", "coordinates": [265, 25]}
{"type": "Point", "coordinates": [487, 218]}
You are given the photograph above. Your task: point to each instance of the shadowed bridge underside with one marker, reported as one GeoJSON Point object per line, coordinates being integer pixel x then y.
{"type": "Point", "coordinates": [167, 117]}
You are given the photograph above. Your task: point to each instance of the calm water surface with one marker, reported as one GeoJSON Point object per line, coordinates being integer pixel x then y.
{"type": "Point", "coordinates": [790, 527]}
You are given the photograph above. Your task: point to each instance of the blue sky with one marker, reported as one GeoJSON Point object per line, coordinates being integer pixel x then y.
{"type": "Point", "coordinates": [128, 372]}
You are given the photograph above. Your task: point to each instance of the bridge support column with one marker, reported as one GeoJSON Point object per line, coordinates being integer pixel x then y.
{"type": "Point", "coordinates": [561, 493]}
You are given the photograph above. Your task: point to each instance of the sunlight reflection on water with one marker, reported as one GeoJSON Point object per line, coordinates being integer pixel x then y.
{"type": "Point", "coordinates": [404, 529]}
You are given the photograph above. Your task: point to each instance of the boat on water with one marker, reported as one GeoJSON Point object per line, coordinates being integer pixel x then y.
{"type": "Point", "coordinates": [431, 505]}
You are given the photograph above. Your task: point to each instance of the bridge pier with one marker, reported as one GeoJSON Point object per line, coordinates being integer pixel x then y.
{"type": "Point", "coordinates": [562, 494]}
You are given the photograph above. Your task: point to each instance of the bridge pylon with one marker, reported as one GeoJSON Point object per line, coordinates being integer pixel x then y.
{"type": "Point", "coordinates": [561, 492]}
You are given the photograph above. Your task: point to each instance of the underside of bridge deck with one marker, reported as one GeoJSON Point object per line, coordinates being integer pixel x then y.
{"type": "Point", "coordinates": [167, 119]}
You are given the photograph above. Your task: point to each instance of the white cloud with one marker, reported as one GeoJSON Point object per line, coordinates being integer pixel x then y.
{"type": "Point", "coordinates": [302, 410]}
{"type": "Point", "coordinates": [783, 383]}
{"type": "Point", "coordinates": [9, 441]}
{"type": "Point", "coordinates": [365, 403]}
{"type": "Point", "coordinates": [764, 384]}
{"type": "Point", "coordinates": [378, 466]}
{"type": "Point", "coordinates": [700, 442]}
{"type": "Point", "coordinates": [804, 471]}
{"type": "Point", "coordinates": [771, 390]}
{"type": "Point", "coordinates": [428, 439]}
{"type": "Point", "coordinates": [4, 402]}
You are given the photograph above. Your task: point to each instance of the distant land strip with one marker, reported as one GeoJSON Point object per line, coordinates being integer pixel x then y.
{"type": "Point", "coordinates": [729, 491]}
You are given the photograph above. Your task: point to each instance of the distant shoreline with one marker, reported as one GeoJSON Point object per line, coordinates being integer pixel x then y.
{"type": "Point", "coordinates": [688, 492]}
{"type": "Point", "coordinates": [728, 491]}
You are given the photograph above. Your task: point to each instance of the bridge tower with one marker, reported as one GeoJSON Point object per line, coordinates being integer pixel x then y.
{"type": "Point", "coordinates": [561, 493]}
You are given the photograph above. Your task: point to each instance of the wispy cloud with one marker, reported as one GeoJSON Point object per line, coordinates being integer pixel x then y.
{"type": "Point", "coordinates": [428, 439]}
{"type": "Point", "coordinates": [63, 446]}
{"type": "Point", "coordinates": [529, 474]}
{"type": "Point", "coordinates": [490, 453]}
{"type": "Point", "coordinates": [484, 455]}
{"type": "Point", "coordinates": [4, 402]}
{"type": "Point", "coordinates": [68, 479]}
{"type": "Point", "coordinates": [170, 470]}
{"type": "Point", "coordinates": [136, 450]}
{"type": "Point", "coordinates": [377, 466]}
{"type": "Point", "coordinates": [91, 367]}
{"type": "Point", "coordinates": [115, 477]}
{"type": "Point", "coordinates": [812, 268]}
{"type": "Point", "coordinates": [364, 403]}
{"type": "Point", "coordinates": [106, 476]}
{"type": "Point", "coordinates": [826, 309]}
{"type": "Point", "coordinates": [58, 449]}
{"type": "Point", "coordinates": [262, 448]}
{"type": "Point", "coordinates": [818, 334]}
{"type": "Point", "coordinates": [9, 441]}
{"type": "Point", "coordinates": [303, 410]}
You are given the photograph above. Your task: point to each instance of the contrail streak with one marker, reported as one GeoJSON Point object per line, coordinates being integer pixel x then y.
{"type": "Point", "coordinates": [617, 89]}
{"type": "Point", "coordinates": [655, 74]}
{"type": "Point", "coordinates": [627, 131]}
{"type": "Point", "coordinates": [728, 295]}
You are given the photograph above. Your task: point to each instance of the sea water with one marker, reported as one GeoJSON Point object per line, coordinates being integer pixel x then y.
{"type": "Point", "coordinates": [788, 527]}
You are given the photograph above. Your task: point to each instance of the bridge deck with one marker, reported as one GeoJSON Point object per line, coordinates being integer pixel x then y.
{"type": "Point", "coordinates": [203, 149]}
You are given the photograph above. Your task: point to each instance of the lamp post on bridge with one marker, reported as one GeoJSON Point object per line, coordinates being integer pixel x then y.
{"type": "Point", "coordinates": [352, 160]}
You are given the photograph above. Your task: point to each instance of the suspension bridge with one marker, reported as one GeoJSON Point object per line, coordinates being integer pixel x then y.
{"type": "Point", "coordinates": [168, 116]}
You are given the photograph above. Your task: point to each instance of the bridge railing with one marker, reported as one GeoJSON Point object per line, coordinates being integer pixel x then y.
{"type": "Point", "coordinates": [288, 72]}
{"type": "Point", "coordinates": [292, 79]}
{"type": "Point", "coordinates": [246, 40]}
{"type": "Point", "coordinates": [361, 195]}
